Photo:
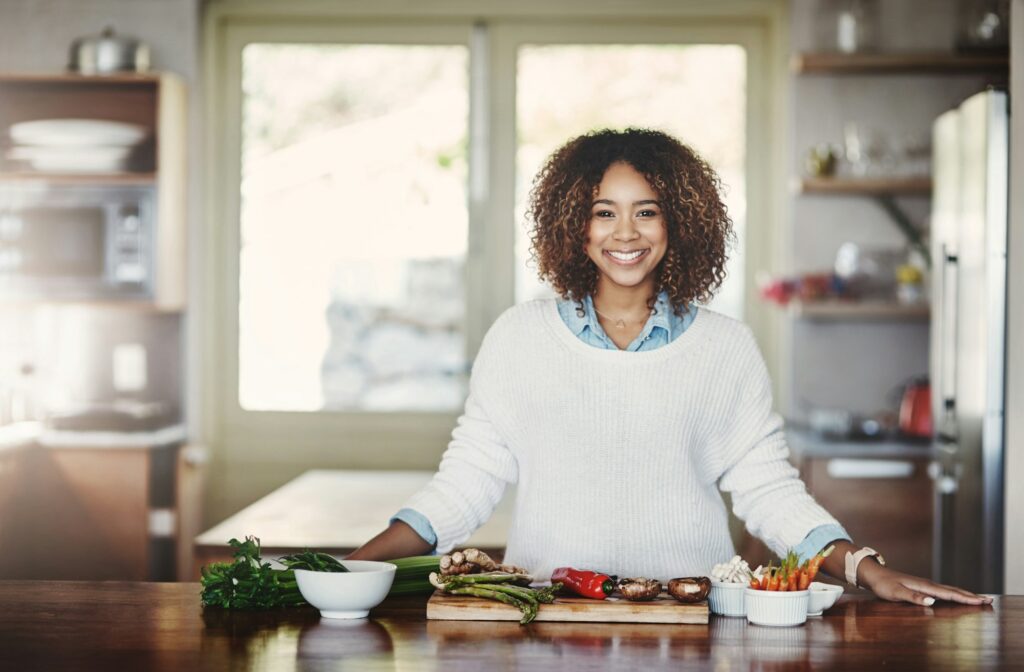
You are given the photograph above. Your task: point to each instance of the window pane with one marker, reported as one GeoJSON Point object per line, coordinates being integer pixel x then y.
{"type": "Point", "coordinates": [353, 227]}
{"type": "Point", "coordinates": [696, 93]}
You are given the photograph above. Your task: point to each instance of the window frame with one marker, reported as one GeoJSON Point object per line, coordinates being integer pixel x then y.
{"type": "Point", "coordinates": [255, 451]}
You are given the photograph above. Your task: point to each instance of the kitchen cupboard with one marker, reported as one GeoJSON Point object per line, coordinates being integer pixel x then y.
{"type": "Point", "coordinates": [156, 165]}
{"type": "Point", "coordinates": [99, 513]}
{"type": "Point", "coordinates": [883, 502]}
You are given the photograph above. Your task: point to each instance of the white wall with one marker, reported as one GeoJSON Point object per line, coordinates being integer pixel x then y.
{"type": "Point", "coordinates": [1014, 475]}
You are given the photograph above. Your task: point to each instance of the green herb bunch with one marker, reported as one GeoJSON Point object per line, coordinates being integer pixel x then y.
{"type": "Point", "coordinates": [248, 582]}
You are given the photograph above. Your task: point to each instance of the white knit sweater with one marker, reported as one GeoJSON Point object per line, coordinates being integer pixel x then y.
{"type": "Point", "coordinates": [618, 456]}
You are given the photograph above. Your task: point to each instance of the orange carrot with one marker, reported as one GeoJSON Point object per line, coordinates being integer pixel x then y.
{"type": "Point", "coordinates": [805, 579]}
{"type": "Point", "coordinates": [775, 581]}
{"type": "Point", "coordinates": [754, 583]}
{"type": "Point", "coordinates": [791, 580]}
{"type": "Point", "coordinates": [814, 564]}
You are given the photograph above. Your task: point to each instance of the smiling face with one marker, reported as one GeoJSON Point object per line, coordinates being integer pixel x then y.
{"type": "Point", "coordinates": [626, 235]}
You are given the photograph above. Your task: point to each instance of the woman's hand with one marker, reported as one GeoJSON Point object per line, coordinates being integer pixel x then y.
{"type": "Point", "coordinates": [895, 586]}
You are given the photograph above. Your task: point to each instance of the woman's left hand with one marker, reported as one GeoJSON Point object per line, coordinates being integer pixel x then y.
{"type": "Point", "coordinates": [895, 586]}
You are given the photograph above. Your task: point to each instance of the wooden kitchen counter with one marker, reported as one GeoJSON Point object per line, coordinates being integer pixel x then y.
{"type": "Point", "coordinates": [154, 626]}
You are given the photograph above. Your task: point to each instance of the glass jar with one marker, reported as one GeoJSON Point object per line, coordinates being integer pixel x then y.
{"type": "Point", "coordinates": [856, 25]}
{"type": "Point", "coordinates": [983, 25]}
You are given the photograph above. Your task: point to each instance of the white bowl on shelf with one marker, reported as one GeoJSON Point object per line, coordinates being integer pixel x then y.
{"type": "Point", "coordinates": [348, 594]}
{"type": "Point", "coordinates": [780, 609]}
{"type": "Point", "coordinates": [823, 596]}
{"type": "Point", "coordinates": [77, 133]}
{"type": "Point", "coordinates": [728, 599]}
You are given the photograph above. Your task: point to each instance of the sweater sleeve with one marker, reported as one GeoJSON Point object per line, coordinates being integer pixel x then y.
{"type": "Point", "coordinates": [766, 489]}
{"type": "Point", "coordinates": [474, 470]}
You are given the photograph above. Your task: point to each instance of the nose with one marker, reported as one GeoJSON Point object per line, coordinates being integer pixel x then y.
{"type": "Point", "coordinates": [625, 230]}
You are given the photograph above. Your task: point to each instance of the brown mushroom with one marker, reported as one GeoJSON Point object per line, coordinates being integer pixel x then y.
{"type": "Point", "coordinates": [639, 589]}
{"type": "Point", "coordinates": [690, 589]}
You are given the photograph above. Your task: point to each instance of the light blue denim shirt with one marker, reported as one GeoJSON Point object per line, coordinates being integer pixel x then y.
{"type": "Point", "coordinates": [662, 327]}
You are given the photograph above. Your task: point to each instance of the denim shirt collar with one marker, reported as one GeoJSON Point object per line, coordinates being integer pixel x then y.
{"type": "Point", "coordinates": [659, 319]}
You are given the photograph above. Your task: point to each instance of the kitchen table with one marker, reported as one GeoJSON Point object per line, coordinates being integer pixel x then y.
{"type": "Point", "coordinates": [160, 626]}
{"type": "Point", "coordinates": [334, 510]}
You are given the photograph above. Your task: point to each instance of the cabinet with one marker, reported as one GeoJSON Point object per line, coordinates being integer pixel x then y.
{"type": "Point", "coordinates": [99, 513]}
{"type": "Point", "coordinates": [155, 165]}
{"type": "Point", "coordinates": [883, 501]}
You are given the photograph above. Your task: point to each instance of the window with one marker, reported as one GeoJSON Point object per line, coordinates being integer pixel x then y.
{"type": "Point", "coordinates": [367, 183]}
{"type": "Point", "coordinates": [353, 227]}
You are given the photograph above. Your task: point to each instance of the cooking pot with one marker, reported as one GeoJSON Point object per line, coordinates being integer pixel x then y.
{"type": "Point", "coordinates": [107, 52]}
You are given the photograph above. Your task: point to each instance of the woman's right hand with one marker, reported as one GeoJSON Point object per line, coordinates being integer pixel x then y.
{"type": "Point", "coordinates": [398, 541]}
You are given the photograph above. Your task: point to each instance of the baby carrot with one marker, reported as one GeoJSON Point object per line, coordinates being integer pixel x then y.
{"type": "Point", "coordinates": [814, 564]}
{"type": "Point", "coordinates": [766, 577]}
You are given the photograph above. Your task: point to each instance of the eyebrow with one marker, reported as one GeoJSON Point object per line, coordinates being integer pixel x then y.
{"type": "Point", "coordinates": [610, 202]}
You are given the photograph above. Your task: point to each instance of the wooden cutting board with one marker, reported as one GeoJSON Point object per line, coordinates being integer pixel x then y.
{"type": "Point", "coordinates": [665, 609]}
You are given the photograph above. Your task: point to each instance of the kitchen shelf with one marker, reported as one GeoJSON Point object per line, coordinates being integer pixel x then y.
{"type": "Point", "coordinates": [859, 311]}
{"type": "Point", "coordinates": [79, 178]}
{"type": "Point", "coordinates": [866, 186]}
{"type": "Point", "coordinates": [153, 101]}
{"type": "Point", "coordinates": [937, 63]}
{"type": "Point", "coordinates": [77, 78]}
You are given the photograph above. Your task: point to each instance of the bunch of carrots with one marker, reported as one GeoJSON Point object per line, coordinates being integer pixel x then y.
{"type": "Point", "coordinates": [790, 575]}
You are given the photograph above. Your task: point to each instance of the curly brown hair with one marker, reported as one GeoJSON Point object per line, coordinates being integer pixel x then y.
{"type": "Point", "coordinates": [698, 224]}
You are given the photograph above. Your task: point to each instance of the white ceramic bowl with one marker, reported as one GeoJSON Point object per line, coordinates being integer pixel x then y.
{"type": "Point", "coordinates": [348, 594]}
{"type": "Point", "coordinates": [766, 607]}
{"type": "Point", "coordinates": [76, 133]}
{"type": "Point", "coordinates": [823, 596]}
{"type": "Point", "coordinates": [728, 599]}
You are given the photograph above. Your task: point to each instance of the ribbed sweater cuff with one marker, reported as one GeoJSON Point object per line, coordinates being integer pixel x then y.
{"type": "Point", "coordinates": [444, 517]}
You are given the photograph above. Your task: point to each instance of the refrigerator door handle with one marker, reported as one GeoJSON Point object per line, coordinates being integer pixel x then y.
{"type": "Point", "coordinates": [948, 328]}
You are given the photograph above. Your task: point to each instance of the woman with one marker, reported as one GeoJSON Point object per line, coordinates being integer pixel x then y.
{"type": "Point", "coordinates": [622, 409]}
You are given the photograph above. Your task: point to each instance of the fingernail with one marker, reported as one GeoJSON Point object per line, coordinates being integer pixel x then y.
{"type": "Point", "coordinates": [929, 601]}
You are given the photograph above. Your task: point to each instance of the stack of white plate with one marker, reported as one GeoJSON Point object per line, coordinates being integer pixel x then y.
{"type": "Point", "coordinates": [74, 145]}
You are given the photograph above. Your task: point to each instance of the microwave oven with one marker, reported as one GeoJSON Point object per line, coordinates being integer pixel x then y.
{"type": "Point", "coordinates": [77, 242]}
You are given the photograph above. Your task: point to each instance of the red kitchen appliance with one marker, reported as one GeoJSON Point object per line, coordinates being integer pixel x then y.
{"type": "Point", "coordinates": [916, 409]}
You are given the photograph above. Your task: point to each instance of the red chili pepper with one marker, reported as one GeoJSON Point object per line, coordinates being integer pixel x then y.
{"type": "Point", "coordinates": [584, 582]}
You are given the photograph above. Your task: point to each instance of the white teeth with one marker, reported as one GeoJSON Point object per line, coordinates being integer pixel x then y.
{"type": "Point", "coordinates": [626, 256]}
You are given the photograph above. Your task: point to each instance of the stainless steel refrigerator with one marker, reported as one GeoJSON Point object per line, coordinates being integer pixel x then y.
{"type": "Point", "coordinates": [968, 338]}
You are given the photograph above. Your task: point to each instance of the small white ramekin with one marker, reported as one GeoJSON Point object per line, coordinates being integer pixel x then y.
{"type": "Point", "coordinates": [766, 607]}
{"type": "Point", "coordinates": [823, 596]}
{"type": "Point", "coordinates": [728, 599]}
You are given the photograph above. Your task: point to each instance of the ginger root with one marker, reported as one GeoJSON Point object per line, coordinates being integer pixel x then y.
{"type": "Point", "coordinates": [473, 561]}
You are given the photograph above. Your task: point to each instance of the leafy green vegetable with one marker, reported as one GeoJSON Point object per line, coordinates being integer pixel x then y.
{"type": "Point", "coordinates": [314, 561]}
{"type": "Point", "coordinates": [248, 582]}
